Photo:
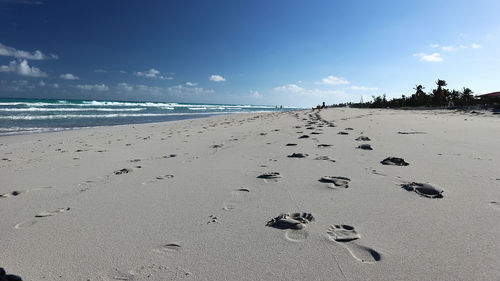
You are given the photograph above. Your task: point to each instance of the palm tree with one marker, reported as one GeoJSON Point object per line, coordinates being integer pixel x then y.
{"type": "Point", "coordinates": [439, 94]}
{"type": "Point", "coordinates": [420, 96]}
{"type": "Point", "coordinates": [466, 96]}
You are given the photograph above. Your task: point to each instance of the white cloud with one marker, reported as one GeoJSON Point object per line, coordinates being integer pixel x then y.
{"type": "Point", "coordinates": [154, 90]}
{"type": "Point", "coordinates": [22, 68]}
{"type": "Point", "coordinates": [434, 45]}
{"type": "Point", "coordinates": [434, 57]}
{"type": "Point", "coordinates": [448, 48]}
{"type": "Point", "coordinates": [96, 87]}
{"type": "Point", "coordinates": [55, 85]}
{"type": "Point", "coordinates": [332, 80]}
{"type": "Point", "coordinates": [69, 76]}
{"type": "Point", "coordinates": [191, 84]}
{"type": "Point", "coordinates": [153, 73]}
{"type": "Point", "coordinates": [255, 94]}
{"type": "Point", "coordinates": [123, 71]}
{"type": "Point", "coordinates": [475, 46]}
{"type": "Point", "coordinates": [13, 52]}
{"type": "Point", "coordinates": [217, 78]}
{"type": "Point", "coordinates": [100, 71]}
{"type": "Point", "coordinates": [125, 87]}
{"type": "Point", "coordinates": [41, 83]}
{"type": "Point", "coordinates": [293, 88]}
{"type": "Point", "coordinates": [363, 88]}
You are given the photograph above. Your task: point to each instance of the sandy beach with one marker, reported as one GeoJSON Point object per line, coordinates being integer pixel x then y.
{"type": "Point", "coordinates": [299, 195]}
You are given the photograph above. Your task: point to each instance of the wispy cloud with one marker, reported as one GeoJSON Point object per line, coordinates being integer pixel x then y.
{"type": "Point", "coordinates": [292, 88]}
{"type": "Point", "coordinates": [326, 95]}
{"type": "Point", "coordinates": [191, 84]}
{"type": "Point", "coordinates": [69, 76]}
{"type": "Point", "coordinates": [333, 80]}
{"type": "Point", "coordinates": [434, 57]}
{"type": "Point", "coordinates": [96, 87]}
{"type": "Point", "coordinates": [217, 78]}
{"type": "Point", "coordinates": [20, 54]}
{"type": "Point", "coordinates": [363, 88]}
{"type": "Point", "coordinates": [475, 46]}
{"type": "Point", "coordinates": [22, 68]}
{"type": "Point", "coordinates": [155, 90]}
{"type": "Point", "coordinates": [153, 73]}
{"type": "Point", "coordinates": [448, 48]}
{"type": "Point", "coordinates": [125, 87]}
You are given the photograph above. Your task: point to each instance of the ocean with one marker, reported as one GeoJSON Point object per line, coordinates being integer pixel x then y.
{"type": "Point", "coordinates": [21, 116]}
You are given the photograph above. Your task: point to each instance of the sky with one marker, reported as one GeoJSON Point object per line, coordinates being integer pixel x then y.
{"type": "Point", "coordinates": [291, 53]}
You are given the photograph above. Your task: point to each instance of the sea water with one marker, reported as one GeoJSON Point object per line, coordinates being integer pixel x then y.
{"type": "Point", "coordinates": [19, 116]}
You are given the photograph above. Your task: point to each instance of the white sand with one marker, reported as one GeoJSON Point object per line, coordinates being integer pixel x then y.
{"type": "Point", "coordinates": [198, 225]}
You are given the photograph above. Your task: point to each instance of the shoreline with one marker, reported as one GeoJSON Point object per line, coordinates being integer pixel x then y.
{"type": "Point", "coordinates": [197, 199]}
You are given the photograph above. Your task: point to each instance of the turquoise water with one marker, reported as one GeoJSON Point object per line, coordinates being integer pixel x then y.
{"type": "Point", "coordinates": [19, 116]}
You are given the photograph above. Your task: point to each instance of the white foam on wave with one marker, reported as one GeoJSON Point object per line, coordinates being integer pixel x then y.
{"type": "Point", "coordinates": [67, 109]}
{"type": "Point", "coordinates": [116, 115]}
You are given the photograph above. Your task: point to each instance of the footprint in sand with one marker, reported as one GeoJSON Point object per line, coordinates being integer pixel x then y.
{"type": "Point", "coordinates": [270, 175]}
{"type": "Point", "coordinates": [363, 138]}
{"type": "Point", "coordinates": [294, 224]}
{"type": "Point", "coordinates": [40, 215]}
{"type": "Point", "coordinates": [326, 158]}
{"type": "Point", "coordinates": [348, 237]}
{"type": "Point", "coordinates": [237, 197]}
{"type": "Point", "coordinates": [323, 145]}
{"type": "Point", "coordinates": [171, 247]}
{"type": "Point", "coordinates": [336, 181]}
{"type": "Point", "coordinates": [304, 137]}
{"type": "Point", "coordinates": [17, 192]}
{"type": "Point", "coordinates": [423, 189]}
{"type": "Point", "coordinates": [365, 147]}
{"type": "Point", "coordinates": [122, 171]}
{"type": "Point", "coordinates": [395, 161]}
{"type": "Point", "coordinates": [298, 155]}
{"type": "Point", "coordinates": [291, 144]}
{"type": "Point", "coordinates": [495, 204]}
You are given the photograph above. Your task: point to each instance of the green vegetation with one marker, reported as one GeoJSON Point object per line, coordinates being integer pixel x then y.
{"type": "Point", "coordinates": [439, 97]}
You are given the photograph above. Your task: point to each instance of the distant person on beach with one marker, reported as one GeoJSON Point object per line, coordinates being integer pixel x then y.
{"type": "Point", "coordinates": [323, 106]}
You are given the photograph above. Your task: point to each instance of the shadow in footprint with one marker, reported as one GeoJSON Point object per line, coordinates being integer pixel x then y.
{"type": "Point", "coordinates": [348, 237]}
{"type": "Point", "coordinates": [365, 147]}
{"type": "Point", "coordinates": [291, 221]}
{"type": "Point", "coordinates": [171, 247]}
{"type": "Point", "coordinates": [423, 189]}
{"type": "Point", "coordinates": [298, 155]}
{"type": "Point", "coordinates": [337, 181]}
{"type": "Point", "coordinates": [325, 158]}
{"type": "Point", "coordinates": [270, 175]}
{"type": "Point", "coordinates": [363, 138]}
{"type": "Point", "coordinates": [495, 204]}
{"type": "Point", "coordinates": [395, 161]}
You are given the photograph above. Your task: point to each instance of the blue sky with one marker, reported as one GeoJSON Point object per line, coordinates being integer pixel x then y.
{"type": "Point", "coordinates": [296, 53]}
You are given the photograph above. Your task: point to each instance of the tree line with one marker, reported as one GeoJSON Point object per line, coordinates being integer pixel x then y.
{"type": "Point", "coordinates": [439, 97]}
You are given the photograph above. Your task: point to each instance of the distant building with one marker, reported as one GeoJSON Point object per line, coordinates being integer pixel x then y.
{"type": "Point", "coordinates": [490, 97]}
